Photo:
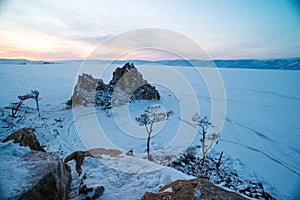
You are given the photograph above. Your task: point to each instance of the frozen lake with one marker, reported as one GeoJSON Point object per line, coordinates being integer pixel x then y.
{"type": "Point", "coordinates": [261, 127]}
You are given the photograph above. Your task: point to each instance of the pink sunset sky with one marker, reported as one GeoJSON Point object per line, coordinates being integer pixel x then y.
{"type": "Point", "coordinates": [67, 30]}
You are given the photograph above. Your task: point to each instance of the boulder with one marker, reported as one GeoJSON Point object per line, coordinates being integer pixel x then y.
{"type": "Point", "coordinates": [31, 174]}
{"type": "Point", "coordinates": [196, 189]}
{"type": "Point", "coordinates": [127, 85]}
{"type": "Point", "coordinates": [26, 138]}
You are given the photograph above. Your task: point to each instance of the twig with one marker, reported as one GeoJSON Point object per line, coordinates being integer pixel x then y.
{"type": "Point", "coordinates": [10, 123]}
{"type": "Point", "coordinates": [219, 163]}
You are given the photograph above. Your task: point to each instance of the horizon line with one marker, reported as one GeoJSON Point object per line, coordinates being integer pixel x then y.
{"type": "Point", "coordinates": [193, 59]}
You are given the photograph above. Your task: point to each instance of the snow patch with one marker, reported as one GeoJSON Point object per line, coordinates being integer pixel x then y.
{"type": "Point", "coordinates": [197, 192]}
{"type": "Point", "coordinates": [169, 189]}
{"type": "Point", "coordinates": [10, 158]}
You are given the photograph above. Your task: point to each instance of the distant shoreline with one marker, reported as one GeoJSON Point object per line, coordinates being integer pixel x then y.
{"type": "Point", "coordinates": [277, 63]}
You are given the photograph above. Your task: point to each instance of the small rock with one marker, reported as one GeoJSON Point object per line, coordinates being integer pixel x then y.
{"type": "Point", "coordinates": [129, 153]}
{"type": "Point", "coordinates": [98, 192]}
{"type": "Point", "coordinates": [25, 138]}
{"type": "Point", "coordinates": [84, 190]}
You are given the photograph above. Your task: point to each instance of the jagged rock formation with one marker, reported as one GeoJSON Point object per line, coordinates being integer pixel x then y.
{"type": "Point", "coordinates": [127, 85]}
{"type": "Point", "coordinates": [26, 138]}
{"type": "Point", "coordinates": [196, 189]}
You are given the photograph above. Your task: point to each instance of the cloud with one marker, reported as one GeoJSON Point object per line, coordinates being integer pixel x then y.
{"type": "Point", "coordinates": [158, 40]}
{"type": "Point", "coordinates": [54, 54]}
{"type": "Point", "coordinates": [82, 26]}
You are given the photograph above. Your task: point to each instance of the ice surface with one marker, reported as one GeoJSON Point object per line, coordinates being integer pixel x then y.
{"type": "Point", "coordinates": [261, 127]}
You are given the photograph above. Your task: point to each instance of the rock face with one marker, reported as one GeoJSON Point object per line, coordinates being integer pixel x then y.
{"type": "Point", "coordinates": [84, 91]}
{"type": "Point", "coordinates": [27, 174]}
{"type": "Point", "coordinates": [31, 174]}
{"type": "Point", "coordinates": [49, 177]}
{"type": "Point", "coordinates": [196, 189]}
{"type": "Point", "coordinates": [127, 85]}
{"type": "Point", "coordinates": [26, 138]}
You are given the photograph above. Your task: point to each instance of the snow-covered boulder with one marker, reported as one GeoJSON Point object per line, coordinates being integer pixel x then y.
{"type": "Point", "coordinates": [27, 174]}
{"type": "Point", "coordinates": [192, 189]}
{"type": "Point", "coordinates": [127, 85]}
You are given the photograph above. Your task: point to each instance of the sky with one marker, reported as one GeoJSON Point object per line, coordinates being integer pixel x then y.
{"type": "Point", "coordinates": [72, 29]}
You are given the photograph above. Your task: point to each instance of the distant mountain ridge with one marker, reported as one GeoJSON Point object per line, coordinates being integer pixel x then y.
{"type": "Point", "coordinates": [23, 61]}
{"type": "Point", "coordinates": [280, 63]}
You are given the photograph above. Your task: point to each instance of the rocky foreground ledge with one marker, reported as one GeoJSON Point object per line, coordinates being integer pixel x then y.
{"type": "Point", "coordinates": [195, 189]}
{"type": "Point", "coordinates": [31, 174]}
{"type": "Point", "coordinates": [26, 173]}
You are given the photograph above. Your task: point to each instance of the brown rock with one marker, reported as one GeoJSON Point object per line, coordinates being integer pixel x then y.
{"type": "Point", "coordinates": [130, 81]}
{"type": "Point", "coordinates": [195, 189]}
{"type": "Point", "coordinates": [25, 138]}
{"type": "Point", "coordinates": [78, 156]}
{"type": "Point", "coordinates": [99, 152]}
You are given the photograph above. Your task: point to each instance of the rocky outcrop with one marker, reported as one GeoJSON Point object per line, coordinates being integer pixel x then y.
{"type": "Point", "coordinates": [196, 189]}
{"type": "Point", "coordinates": [49, 177]}
{"type": "Point", "coordinates": [32, 174]}
{"type": "Point", "coordinates": [127, 85]}
{"type": "Point", "coordinates": [26, 138]}
{"type": "Point", "coordinates": [28, 172]}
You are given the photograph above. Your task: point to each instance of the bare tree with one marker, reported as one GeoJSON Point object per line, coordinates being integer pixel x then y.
{"type": "Point", "coordinates": [34, 94]}
{"type": "Point", "coordinates": [203, 125]}
{"type": "Point", "coordinates": [151, 116]}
